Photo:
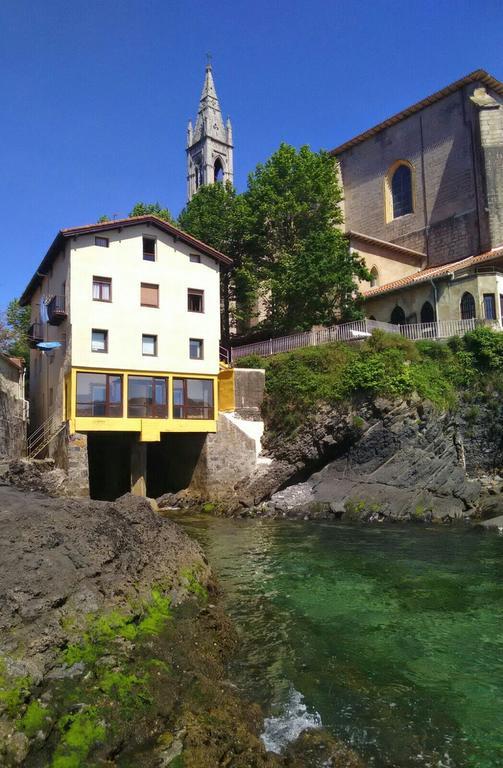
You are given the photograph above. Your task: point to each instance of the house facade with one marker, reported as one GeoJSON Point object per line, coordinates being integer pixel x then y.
{"type": "Point", "coordinates": [423, 190]}
{"type": "Point", "coordinates": [125, 343]}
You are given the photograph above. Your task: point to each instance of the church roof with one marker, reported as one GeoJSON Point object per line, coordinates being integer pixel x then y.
{"type": "Point", "coordinates": [209, 120]}
{"type": "Point", "coordinates": [479, 76]}
{"type": "Point", "coordinates": [64, 234]}
{"type": "Point", "coordinates": [425, 275]}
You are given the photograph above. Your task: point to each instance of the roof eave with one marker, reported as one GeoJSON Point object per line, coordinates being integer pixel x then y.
{"type": "Point", "coordinates": [65, 234]}
{"type": "Point", "coordinates": [478, 75]}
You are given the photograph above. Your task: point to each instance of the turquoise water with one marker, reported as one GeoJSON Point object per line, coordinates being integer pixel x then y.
{"type": "Point", "coordinates": [392, 638]}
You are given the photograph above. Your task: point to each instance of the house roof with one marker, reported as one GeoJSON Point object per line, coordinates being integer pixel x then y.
{"type": "Point", "coordinates": [16, 362]}
{"type": "Point", "coordinates": [430, 273]}
{"type": "Point", "coordinates": [385, 244]}
{"type": "Point", "coordinates": [480, 75]}
{"type": "Point", "coordinates": [155, 221]}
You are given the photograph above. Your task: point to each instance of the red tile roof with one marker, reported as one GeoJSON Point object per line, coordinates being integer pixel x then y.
{"type": "Point", "coordinates": [480, 75]}
{"type": "Point", "coordinates": [425, 275]}
{"type": "Point", "coordinates": [63, 234]}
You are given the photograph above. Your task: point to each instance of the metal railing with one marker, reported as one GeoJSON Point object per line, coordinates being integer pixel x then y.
{"type": "Point", "coordinates": [224, 355]}
{"type": "Point", "coordinates": [43, 436]}
{"type": "Point", "coordinates": [359, 329]}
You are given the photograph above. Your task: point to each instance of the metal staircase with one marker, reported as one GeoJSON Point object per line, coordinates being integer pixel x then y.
{"type": "Point", "coordinates": [44, 435]}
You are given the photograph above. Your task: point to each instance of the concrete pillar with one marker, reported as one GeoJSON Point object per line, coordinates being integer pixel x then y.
{"type": "Point", "coordinates": [138, 468]}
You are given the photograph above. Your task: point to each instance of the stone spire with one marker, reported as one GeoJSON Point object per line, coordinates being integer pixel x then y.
{"type": "Point", "coordinates": [209, 145]}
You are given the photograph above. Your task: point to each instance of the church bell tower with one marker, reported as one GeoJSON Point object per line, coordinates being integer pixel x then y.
{"type": "Point", "coordinates": [209, 143]}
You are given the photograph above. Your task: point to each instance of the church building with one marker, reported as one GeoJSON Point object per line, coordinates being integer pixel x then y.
{"type": "Point", "coordinates": [209, 143]}
{"type": "Point", "coordinates": [423, 205]}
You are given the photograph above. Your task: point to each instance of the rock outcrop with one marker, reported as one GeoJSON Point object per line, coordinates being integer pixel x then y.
{"type": "Point", "coordinates": [61, 559]}
{"type": "Point", "coordinates": [379, 459]}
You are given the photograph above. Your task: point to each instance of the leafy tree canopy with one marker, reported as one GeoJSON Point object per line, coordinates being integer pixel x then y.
{"type": "Point", "coordinates": [304, 264]}
{"type": "Point", "coordinates": [142, 209]}
{"type": "Point", "coordinates": [103, 219]}
{"type": "Point", "coordinates": [14, 326]}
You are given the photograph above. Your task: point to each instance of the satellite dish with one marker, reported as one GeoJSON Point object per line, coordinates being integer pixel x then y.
{"type": "Point", "coordinates": [46, 346]}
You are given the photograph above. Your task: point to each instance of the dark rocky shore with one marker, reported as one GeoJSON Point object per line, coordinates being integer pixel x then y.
{"type": "Point", "coordinates": [113, 647]}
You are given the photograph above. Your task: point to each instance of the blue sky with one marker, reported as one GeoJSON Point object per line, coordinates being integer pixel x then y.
{"type": "Point", "coordinates": [97, 94]}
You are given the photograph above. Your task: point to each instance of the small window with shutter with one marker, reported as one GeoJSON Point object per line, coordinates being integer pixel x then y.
{"type": "Point", "coordinates": [149, 295]}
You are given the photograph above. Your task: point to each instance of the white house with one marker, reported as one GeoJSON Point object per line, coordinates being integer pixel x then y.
{"type": "Point", "coordinates": [125, 340]}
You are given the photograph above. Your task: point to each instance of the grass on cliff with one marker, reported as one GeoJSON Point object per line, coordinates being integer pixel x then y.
{"type": "Point", "coordinates": [386, 364]}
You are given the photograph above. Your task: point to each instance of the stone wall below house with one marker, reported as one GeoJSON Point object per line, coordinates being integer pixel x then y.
{"type": "Point", "coordinates": [12, 421]}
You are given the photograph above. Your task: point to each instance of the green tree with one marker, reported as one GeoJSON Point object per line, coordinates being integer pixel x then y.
{"type": "Point", "coordinates": [14, 330]}
{"type": "Point", "coordinates": [155, 209]}
{"type": "Point", "coordinates": [303, 262]}
{"type": "Point", "coordinates": [218, 216]}
{"type": "Point", "coordinates": [103, 219]}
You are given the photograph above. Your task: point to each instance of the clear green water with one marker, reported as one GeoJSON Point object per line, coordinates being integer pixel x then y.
{"type": "Point", "coordinates": [392, 636]}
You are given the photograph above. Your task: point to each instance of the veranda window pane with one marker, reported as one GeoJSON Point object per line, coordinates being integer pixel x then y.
{"type": "Point", "coordinates": [92, 391]}
{"type": "Point", "coordinates": [193, 399]}
{"type": "Point", "coordinates": [147, 397]}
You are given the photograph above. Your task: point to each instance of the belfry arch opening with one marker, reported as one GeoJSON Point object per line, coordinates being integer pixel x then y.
{"type": "Point", "coordinates": [218, 170]}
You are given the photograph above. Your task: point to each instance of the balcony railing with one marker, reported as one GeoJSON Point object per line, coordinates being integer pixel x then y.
{"type": "Point", "coordinates": [56, 310]}
{"type": "Point", "coordinates": [35, 335]}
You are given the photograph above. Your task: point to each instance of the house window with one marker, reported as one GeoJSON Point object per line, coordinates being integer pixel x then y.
{"type": "Point", "coordinates": [149, 248]}
{"type": "Point", "coordinates": [399, 193]}
{"type": "Point", "coordinates": [195, 300]}
{"type": "Point", "coordinates": [195, 258]}
{"type": "Point", "coordinates": [147, 398]}
{"type": "Point", "coordinates": [397, 316]}
{"type": "Point", "coordinates": [196, 349]}
{"type": "Point", "coordinates": [149, 295]}
{"type": "Point", "coordinates": [99, 340]}
{"type": "Point", "coordinates": [99, 394]}
{"type": "Point", "coordinates": [467, 306]}
{"type": "Point", "coordinates": [193, 399]}
{"type": "Point", "coordinates": [374, 277]}
{"type": "Point", "coordinates": [102, 289]}
{"type": "Point", "coordinates": [489, 306]}
{"type": "Point", "coordinates": [101, 241]}
{"type": "Point", "coordinates": [149, 345]}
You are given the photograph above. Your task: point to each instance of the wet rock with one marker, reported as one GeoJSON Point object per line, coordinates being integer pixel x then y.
{"type": "Point", "coordinates": [317, 749]}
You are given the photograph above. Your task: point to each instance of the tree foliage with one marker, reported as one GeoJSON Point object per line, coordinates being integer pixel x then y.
{"type": "Point", "coordinates": [155, 209]}
{"type": "Point", "coordinates": [304, 264]}
{"type": "Point", "coordinates": [14, 326]}
{"type": "Point", "coordinates": [283, 236]}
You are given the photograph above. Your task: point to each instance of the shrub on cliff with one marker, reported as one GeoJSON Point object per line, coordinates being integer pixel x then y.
{"type": "Point", "coordinates": [386, 364]}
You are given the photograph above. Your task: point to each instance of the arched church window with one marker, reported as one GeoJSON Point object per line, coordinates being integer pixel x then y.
{"type": "Point", "coordinates": [399, 190]}
{"type": "Point", "coordinates": [374, 277]}
{"type": "Point", "coordinates": [427, 313]}
{"type": "Point", "coordinates": [467, 306]}
{"type": "Point", "coordinates": [199, 176]}
{"type": "Point", "coordinates": [397, 316]}
{"type": "Point", "coordinates": [219, 170]}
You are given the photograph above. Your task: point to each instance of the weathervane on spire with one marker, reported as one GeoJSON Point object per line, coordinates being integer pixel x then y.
{"type": "Point", "coordinates": [208, 60]}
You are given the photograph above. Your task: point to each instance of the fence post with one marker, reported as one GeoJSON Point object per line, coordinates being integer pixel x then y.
{"type": "Point", "coordinates": [270, 346]}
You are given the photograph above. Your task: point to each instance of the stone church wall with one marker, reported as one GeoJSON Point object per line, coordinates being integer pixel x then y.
{"type": "Point", "coordinates": [442, 143]}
